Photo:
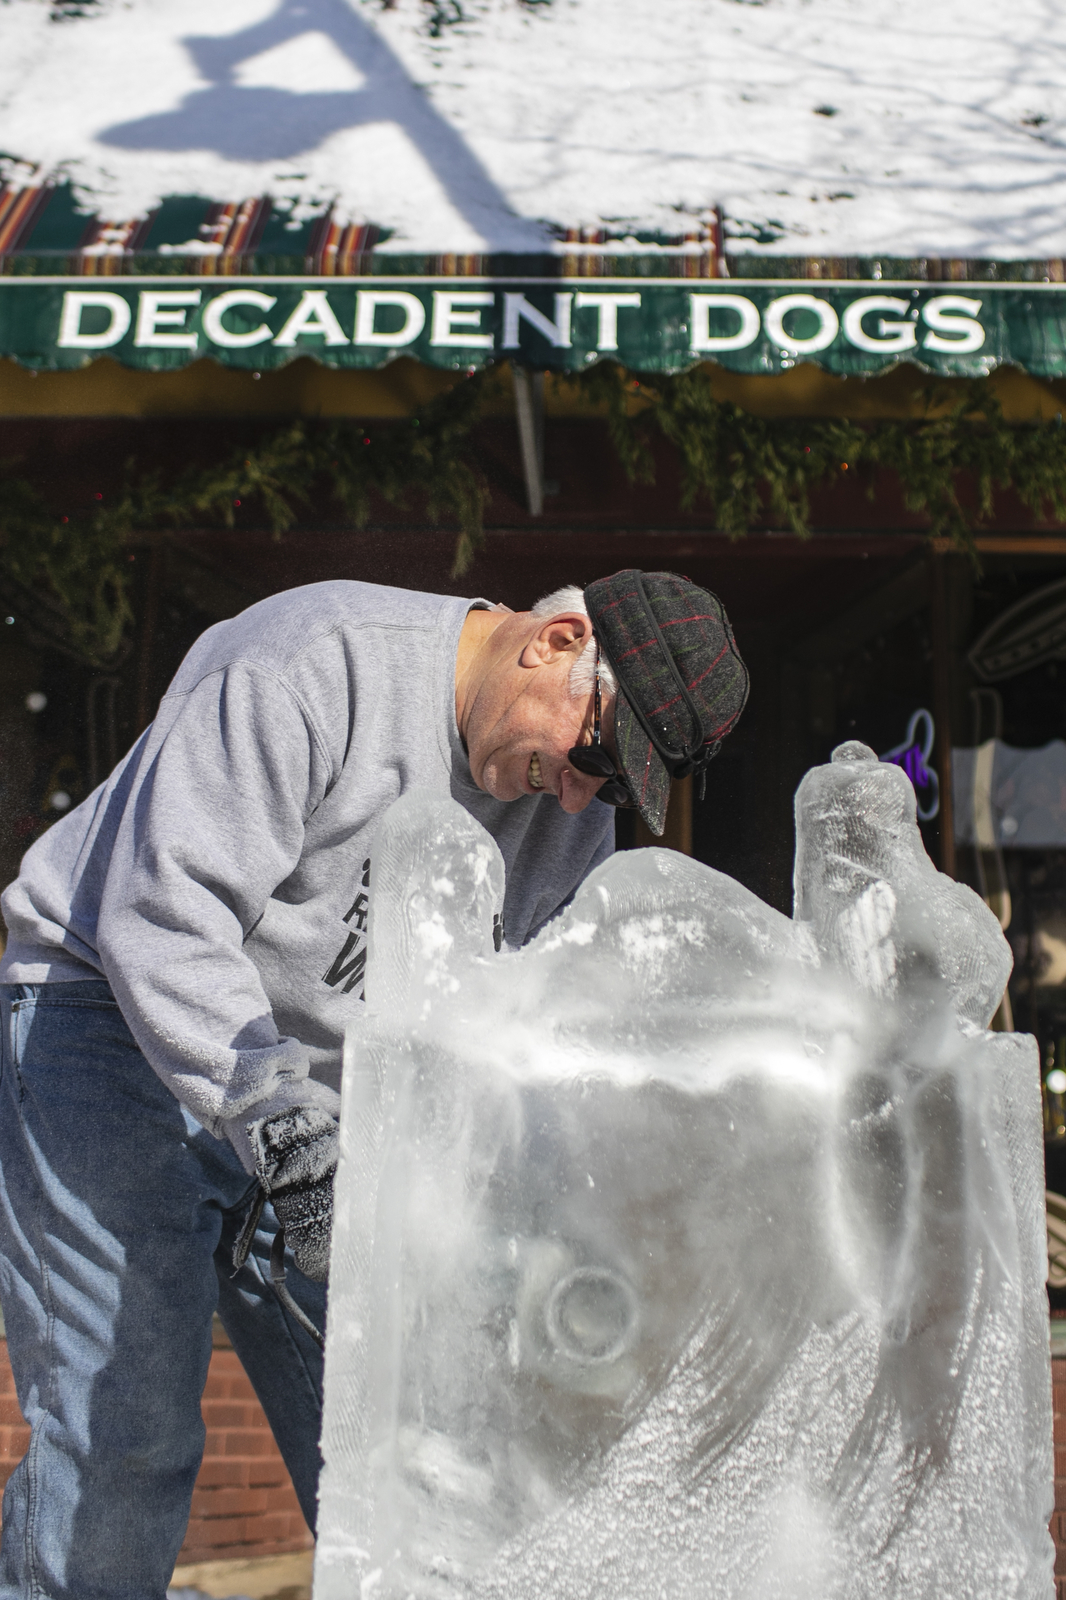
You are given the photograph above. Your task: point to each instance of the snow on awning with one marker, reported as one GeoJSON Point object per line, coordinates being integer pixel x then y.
{"type": "Point", "coordinates": [332, 153]}
{"type": "Point", "coordinates": [822, 127]}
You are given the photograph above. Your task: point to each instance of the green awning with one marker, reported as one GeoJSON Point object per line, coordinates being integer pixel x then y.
{"type": "Point", "coordinates": [248, 285]}
{"type": "Point", "coordinates": [649, 323]}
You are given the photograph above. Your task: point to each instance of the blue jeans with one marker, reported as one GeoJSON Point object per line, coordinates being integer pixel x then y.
{"type": "Point", "coordinates": [118, 1214]}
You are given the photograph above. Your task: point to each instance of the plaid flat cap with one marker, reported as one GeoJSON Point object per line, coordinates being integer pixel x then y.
{"type": "Point", "coordinates": [681, 682]}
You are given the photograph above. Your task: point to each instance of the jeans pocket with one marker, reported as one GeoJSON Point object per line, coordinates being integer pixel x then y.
{"type": "Point", "coordinates": [53, 1023]}
{"type": "Point", "coordinates": [18, 1019]}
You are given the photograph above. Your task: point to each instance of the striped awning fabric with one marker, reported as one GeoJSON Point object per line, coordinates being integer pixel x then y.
{"type": "Point", "coordinates": [42, 232]}
{"type": "Point", "coordinates": [20, 211]}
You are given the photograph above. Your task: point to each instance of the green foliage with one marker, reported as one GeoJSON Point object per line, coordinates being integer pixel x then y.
{"type": "Point", "coordinates": [66, 10]}
{"type": "Point", "coordinates": [424, 454]}
{"type": "Point", "coordinates": [69, 576]}
{"type": "Point", "coordinates": [753, 469]}
{"type": "Point", "coordinates": [443, 14]}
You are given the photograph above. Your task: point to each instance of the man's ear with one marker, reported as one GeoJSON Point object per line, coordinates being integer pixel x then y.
{"type": "Point", "coordinates": [564, 635]}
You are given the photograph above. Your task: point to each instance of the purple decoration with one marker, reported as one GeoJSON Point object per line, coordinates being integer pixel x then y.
{"type": "Point", "coordinates": [913, 756]}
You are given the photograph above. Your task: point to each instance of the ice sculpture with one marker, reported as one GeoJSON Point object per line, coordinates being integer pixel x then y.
{"type": "Point", "coordinates": [690, 1251]}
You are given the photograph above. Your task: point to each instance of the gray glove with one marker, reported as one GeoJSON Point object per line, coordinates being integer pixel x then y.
{"type": "Point", "coordinates": [295, 1161]}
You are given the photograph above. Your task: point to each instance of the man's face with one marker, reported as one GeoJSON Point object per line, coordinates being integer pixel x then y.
{"type": "Point", "coordinates": [524, 720]}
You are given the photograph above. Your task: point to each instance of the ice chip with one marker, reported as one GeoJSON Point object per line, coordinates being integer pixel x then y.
{"type": "Point", "coordinates": [692, 1249]}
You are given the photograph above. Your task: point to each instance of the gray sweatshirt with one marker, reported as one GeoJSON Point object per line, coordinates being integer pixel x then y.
{"type": "Point", "coordinates": [218, 879]}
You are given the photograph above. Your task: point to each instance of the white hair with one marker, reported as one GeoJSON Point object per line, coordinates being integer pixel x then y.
{"type": "Point", "coordinates": [583, 671]}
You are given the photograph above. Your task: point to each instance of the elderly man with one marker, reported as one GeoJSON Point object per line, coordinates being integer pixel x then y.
{"type": "Point", "coordinates": [185, 950]}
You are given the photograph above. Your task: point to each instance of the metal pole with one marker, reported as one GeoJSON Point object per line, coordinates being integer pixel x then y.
{"type": "Point", "coordinates": [529, 411]}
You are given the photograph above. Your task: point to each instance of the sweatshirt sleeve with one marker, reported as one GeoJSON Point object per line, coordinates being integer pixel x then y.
{"type": "Point", "coordinates": [229, 776]}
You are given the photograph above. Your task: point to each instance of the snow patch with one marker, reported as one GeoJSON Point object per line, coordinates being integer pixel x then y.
{"type": "Point", "coordinates": [311, 64]}
{"type": "Point", "coordinates": [820, 126]}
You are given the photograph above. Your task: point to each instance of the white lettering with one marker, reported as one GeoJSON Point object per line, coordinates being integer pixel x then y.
{"type": "Point", "coordinates": [516, 309]}
{"type": "Point", "coordinates": [700, 322]}
{"type": "Point", "coordinates": [216, 330]}
{"type": "Point", "coordinates": [774, 323]}
{"type": "Point", "coordinates": [964, 334]}
{"type": "Point", "coordinates": [165, 308]}
{"type": "Point", "coordinates": [890, 336]}
{"type": "Point", "coordinates": [608, 306]}
{"type": "Point", "coordinates": [448, 316]}
{"type": "Point", "coordinates": [314, 317]}
{"type": "Point", "coordinates": [75, 301]}
{"type": "Point", "coordinates": [366, 306]}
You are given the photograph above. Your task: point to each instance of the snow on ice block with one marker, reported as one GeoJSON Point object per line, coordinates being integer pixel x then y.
{"type": "Point", "coordinates": [690, 1251]}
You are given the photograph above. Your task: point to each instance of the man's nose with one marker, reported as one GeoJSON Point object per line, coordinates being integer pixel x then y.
{"type": "Point", "coordinates": [577, 789]}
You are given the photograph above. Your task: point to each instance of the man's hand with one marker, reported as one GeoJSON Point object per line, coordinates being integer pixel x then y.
{"type": "Point", "coordinates": [295, 1161]}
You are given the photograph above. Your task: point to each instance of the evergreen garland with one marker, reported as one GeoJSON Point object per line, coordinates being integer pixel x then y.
{"type": "Point", "coordinates": [758, 469]}
{"type": "Point", "coordinates": [69, 577]}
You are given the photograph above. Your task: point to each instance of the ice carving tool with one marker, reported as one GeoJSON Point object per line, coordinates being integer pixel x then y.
{"type": "Point", "coordinates": [277, 1278]}
{"type": "Point", "coordinates": [277, 1265]}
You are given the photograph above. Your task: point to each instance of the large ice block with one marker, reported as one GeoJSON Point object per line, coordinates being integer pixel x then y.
{"type": "Point", "coordinates": [691, 1251]}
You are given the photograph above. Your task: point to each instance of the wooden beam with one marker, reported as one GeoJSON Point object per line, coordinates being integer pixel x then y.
{"type": "Point", "coordinates": [1008, 544]}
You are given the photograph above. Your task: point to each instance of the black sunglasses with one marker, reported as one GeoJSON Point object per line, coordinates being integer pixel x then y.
{"type": "Point", "coordinates": [593, 760]}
